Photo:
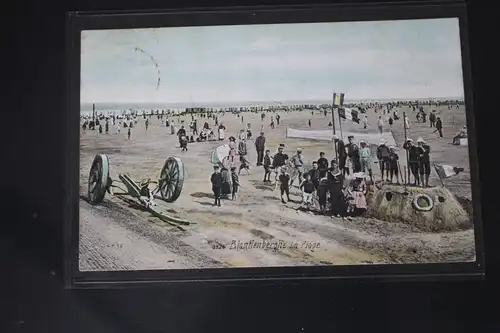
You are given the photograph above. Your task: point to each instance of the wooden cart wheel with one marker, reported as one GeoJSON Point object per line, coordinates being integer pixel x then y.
{"type": "Point", "coordinates": [98, 178]}
{"type": "Point", "coordinates": [172, 179]}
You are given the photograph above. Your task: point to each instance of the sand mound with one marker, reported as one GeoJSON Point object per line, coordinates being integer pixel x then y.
{"type": "Point", "coordinates": [445, 213]}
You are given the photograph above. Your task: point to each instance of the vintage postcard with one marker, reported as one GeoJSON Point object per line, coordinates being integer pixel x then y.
{"type": "Point", "coordinates": [315, 144]}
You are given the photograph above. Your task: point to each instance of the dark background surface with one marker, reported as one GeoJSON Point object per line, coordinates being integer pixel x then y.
{"type": "Point", "coordinates": [31, 298]}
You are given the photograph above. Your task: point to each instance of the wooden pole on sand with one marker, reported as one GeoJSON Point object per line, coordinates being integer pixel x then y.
{"type": "Point", "coordinates": [333, 126]}
{"type": "Point", "coordinates": [340, 127]}
{"type": "Point", "coordinates": [407, 151]}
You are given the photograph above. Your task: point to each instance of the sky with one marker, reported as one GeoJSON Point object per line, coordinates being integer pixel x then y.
{"type": "Point", "coordinates": [280, 62]}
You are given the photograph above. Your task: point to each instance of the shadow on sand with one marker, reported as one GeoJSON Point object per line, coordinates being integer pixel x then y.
{"type": "Point", "coordinates": [202, 195]}
{"type": "Point", "coordinates": [205, 203]}
{"type": "Point", "coordinates": [262, 186]}
{"type": "Point", "coordinates": [261, 234]}
{"type": "Point", "coordinates": [268, 197]}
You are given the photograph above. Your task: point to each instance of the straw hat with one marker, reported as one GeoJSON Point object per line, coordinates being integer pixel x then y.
{"type": "Point", "coordinates": [409, 140]}
{"type": "Point", "coordinates": [420, 140]}
{"type": "Point", "coordinates": [382, 142]}
{"type": "Point", "coordinates": [362, 142]}
{"type": "Point", "coordinates": [299, 149]}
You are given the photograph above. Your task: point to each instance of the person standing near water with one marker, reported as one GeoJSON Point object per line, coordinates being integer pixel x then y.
{"type": "Point", "coordinates": [128, 133]}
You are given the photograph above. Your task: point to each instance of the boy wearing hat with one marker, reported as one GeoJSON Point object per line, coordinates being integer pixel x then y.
{"type": "Point", "coordinates": [267, 167]}
{"type": "Point", "coordinates": [353, 154]}
{"type": "Point", "coordinates": [308, 189]}
{"type": "Point", "coordinates": [284, 179]}
{"type": "Point", "coordinates": [322, 164]}
{"type": "Point", "coordinates": [279, 158]}
{"type": "Point", "coordinates": [216, 181]}
{"type": "Point", "coordinates": [413, 160]}
{"type": "Point", "coordinates": [365, 157]}
{"type": "Point", "coordinates": [393, 164]}
{"type": "Point", "coordinates": [383, 153]}
{"type": "Point", "coordinates": [425, 162]}
{"type": "Point", "coordinates": [298, 164]}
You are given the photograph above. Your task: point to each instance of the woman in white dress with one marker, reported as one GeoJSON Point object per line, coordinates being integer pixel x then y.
{"type": "Point", "coordinates": [222, 129]}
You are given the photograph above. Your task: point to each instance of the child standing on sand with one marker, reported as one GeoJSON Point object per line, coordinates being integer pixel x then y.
{"type": "Point", "coordinates": [128, 133]}
{"type": "Point", "coordinates": [267, 167]}
{"type": "Point", "coordinates": [216, 180]}
{"type": "Point", "coordinates": [236, 182]}
{"type": "Point", "coordinates": [393, 164]}
{"type": "Point", "coordinates": [284, 179]}
{"type": "Point", "coordinates": [244, 164]}
{"type": "Point", "coordinates": [308, 189]}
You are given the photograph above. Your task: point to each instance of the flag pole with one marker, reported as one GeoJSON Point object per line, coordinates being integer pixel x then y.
{"type": "Point", "coordinates": [333, 126]}
{"type": "Point", "coordinates": [407, 151]}
{"type": "Point", "coordinates": [340, 126]}
{"type": "Point", "coordinates": [93, 115]}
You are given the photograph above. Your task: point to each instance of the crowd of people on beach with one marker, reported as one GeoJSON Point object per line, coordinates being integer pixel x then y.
{"type": "Point", "coordinates": [343, 184]}
{"type": "Point", "coordinates": [338, 185]}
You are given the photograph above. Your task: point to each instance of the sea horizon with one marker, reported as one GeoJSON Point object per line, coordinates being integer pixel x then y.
{"type": "Point", "coordinates": [123, 106]}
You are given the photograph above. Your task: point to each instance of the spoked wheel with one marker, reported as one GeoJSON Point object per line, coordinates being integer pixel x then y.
{"type": "Point", "coordinates": [172, 179]}
{"type": "Point", "coordinates": [98, 178]}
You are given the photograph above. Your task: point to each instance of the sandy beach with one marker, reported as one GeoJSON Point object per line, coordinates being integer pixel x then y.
{"type": "Point", "coordinates": [257, 214]}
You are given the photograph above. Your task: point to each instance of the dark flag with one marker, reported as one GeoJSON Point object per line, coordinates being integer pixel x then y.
{"type": "Point", "coordinates": [349, 114]}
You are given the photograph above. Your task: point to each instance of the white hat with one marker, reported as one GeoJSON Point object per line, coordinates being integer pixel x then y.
{"type": "Point", "coordinates": [409, 140]}
{"type": "Point", "coordinates": [362, 141]}
{"type": "Point", "coordinates": [299, 149]}
{"type": "Point", "coordinates": [382, 141]}
{"type": "Point", "coordinates": [359, 175]}
{"type": "Point", "coordinates": [393, 147]}
{"type": "Point", "coordinates": [420, 139]}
